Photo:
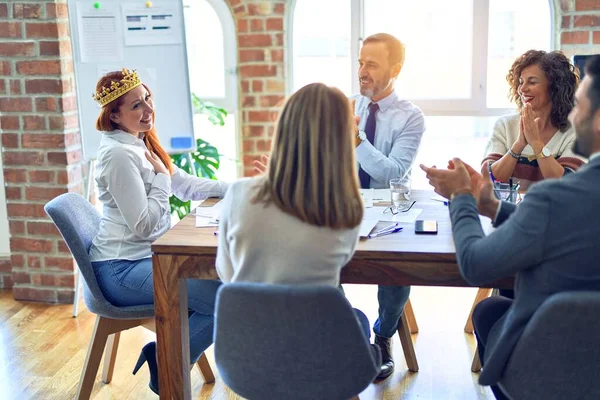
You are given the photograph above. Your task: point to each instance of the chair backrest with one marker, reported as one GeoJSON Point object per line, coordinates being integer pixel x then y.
{"type": "Point", "coordinates": [290, 342]}
{"type": "Point", "coordinates": [78, 222]}
{"type": "Point", "coordinates": [558, 355]}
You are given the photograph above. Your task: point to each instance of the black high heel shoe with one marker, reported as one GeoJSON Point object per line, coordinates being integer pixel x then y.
{"type": "Point", "coordinates": [149, 354]}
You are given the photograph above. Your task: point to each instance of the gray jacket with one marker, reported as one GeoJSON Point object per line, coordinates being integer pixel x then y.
{"type": "Point", "coordinates": [549, 242]}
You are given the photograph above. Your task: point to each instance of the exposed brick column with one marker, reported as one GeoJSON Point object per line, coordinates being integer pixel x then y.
{"type": "Point", "coordinates": [260, 34]}
{"type": "Point", "coordinates": [579, 27]}
{"type": "Point", "coordinates": [41, 143]}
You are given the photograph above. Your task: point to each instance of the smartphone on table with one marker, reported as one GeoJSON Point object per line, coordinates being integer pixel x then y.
{"type": "Point", "coordinates": [426, 227]}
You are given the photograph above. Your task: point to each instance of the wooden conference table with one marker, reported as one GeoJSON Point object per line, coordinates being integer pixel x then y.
{"type": "Point", "coordinates": [187, 252]}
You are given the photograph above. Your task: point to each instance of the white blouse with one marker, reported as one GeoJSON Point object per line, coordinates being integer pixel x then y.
{"type": "Point", "coordinates": [136, 199]}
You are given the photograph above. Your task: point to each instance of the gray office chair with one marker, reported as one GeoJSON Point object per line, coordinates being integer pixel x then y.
{"type": "Point", "coordinates": [558, 355]}
{"type": "Point", "coordinates": [291, 342]}
{"type": "Point", "coordinates": [78, 221]}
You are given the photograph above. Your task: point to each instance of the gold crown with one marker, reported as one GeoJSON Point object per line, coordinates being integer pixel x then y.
{"type": "Point", "coordinates": [130, 81]}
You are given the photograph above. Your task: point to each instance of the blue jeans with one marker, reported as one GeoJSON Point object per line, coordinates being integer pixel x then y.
{"type": "Point", "coordinates": [391, 305]}
{"type": "Point", "coordinates": [129, 283]}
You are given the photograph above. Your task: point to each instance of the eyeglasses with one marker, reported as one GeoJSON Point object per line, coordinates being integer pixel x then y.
{"type": "Point", "coordinates": [392, 210]}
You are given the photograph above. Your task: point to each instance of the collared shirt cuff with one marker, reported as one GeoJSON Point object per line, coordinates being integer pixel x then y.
{"type": "Point", "coordinates": [224, 187]}
{"type": "Point", "coordinates": [363, 151]}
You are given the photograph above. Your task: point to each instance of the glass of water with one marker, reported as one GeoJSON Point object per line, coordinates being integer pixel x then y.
{"type": "Point", "coordinates": [400, 191]}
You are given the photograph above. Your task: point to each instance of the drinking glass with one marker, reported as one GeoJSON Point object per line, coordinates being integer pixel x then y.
{"type": "Point", "coordinates": [400, 191]}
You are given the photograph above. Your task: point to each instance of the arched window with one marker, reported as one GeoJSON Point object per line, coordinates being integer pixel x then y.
{"type": "Point", "coordinates": [515, 26]}
{"type": "Point", "coordinates": [212, 65]}
{"type": "Point", "coordinates": [457, 52]}
{"type": "Point", "coordinates": [321, 44]}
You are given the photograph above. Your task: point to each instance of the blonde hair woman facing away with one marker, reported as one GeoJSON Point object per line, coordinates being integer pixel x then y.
{"type": "Point", "coordinates": [297, 224]}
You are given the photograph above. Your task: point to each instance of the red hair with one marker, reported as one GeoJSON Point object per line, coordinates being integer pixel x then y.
{"type": "Point", "coordinates": [105, 124]}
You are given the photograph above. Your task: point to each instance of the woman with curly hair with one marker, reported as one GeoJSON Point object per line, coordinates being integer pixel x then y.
{"type": "Point", "coordinates": [536, 143]}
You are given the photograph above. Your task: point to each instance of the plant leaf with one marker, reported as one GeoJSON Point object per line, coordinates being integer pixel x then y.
{"type": "Point", "coordinates": [205, 160]}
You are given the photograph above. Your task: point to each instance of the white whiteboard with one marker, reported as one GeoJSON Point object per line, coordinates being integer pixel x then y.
{"type": "Point", "coordinates": [109, 35]}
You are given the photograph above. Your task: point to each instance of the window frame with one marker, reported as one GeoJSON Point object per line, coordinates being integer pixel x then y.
{"type": "Point", "coordinates": [474, 106]}
{"type": "Point", "coordinates": [230, 100]}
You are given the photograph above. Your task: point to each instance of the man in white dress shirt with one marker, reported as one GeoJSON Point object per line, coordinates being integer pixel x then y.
{"type": "Point", "coordinates": [390, 133]}
{"type": "Point", "coordinates": [387, 141]}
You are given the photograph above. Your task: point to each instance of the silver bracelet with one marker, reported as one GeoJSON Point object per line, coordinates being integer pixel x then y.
{"type": "Point", "coordinates": [513, 154]}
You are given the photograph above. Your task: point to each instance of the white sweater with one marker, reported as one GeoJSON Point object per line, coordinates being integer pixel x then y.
{"type": "Point", "coordinates": [259, 243]}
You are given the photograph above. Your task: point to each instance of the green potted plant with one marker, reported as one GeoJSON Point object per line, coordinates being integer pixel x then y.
{"type": "Point", "coordinates": [204, 161]}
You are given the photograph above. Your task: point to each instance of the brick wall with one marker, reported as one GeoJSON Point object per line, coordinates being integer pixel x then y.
{"type": "Point", "coordinates": [260, 34]}
{"type": "Point", "coordinates": [579, 27]}
{"type": "Point", "coordinates": [41, 145]}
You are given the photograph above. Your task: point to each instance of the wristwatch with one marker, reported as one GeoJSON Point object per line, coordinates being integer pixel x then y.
{"type": "Point", "coordinates": [362, 135]}
{"type": "Point", "coordinates": [543, 154]}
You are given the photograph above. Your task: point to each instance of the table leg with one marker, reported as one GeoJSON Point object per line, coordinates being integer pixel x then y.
{"type": "Point", "coordinates": [407, 344]}
{"type": "Point", "coordinates": [476, 364]}
{"type": "Point", "coordinates": [410, 318]}
{"type": "Point", "coordinates": [172, 330]}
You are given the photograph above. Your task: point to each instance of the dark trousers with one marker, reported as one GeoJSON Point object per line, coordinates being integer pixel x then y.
{"type": "Point", "coordinates": [364, 323]}
{"type": "Point", "coordinates": [362, 319]}
{"type": "Point", "coordinates": [485, 315]}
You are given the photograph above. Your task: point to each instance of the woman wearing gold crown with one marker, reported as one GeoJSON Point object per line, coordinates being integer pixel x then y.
{"type": "Point", "coordinates": [135, 178]}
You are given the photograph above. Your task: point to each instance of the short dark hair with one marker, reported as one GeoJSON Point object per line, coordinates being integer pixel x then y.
{"type": "Point", "coordinates": [563, 79]}
{"type": "Point", "coordinates": [393, 45]}
{"type": "Point", "coordinates": [592, 69]}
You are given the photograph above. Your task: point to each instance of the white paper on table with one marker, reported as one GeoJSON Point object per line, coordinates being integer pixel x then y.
{"type": "Point", "coordinates": [382, 195]}
{"type": "Point", "coordinates": [147, 26]}
{"type": "Point", "coordinates": [378, 214]}
{"type": "Point", "coordinates": [204, 222]}
{"type": "Point", "coordinates": [375, 213]}
{"type": "Point", "coordinates": [99, 33]}
{"type": "Point", "coordinates": [406, 217]}
{"type": "Point", "coordinates": [366, 226]}
{"type": "Point", "coordinates": [367, 197]}
{"type": "Point", "coordinates": [210, 212]}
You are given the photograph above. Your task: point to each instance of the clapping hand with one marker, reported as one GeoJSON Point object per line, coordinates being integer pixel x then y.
{"type": "Point", "coordinates": [462, 178]}
{"type": "Point", "coordinates": [260, 166]}
{"type": "Point", "coordinates": [483, 191]}
{"type": "Point", "coordinates": [521, 141]}
{"type": "Point", "coordinates": [357, 141]}
{"type": "Point", "coordinates": [450, 181]}
{"type": "Point", "coordinates": [531, 127]}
